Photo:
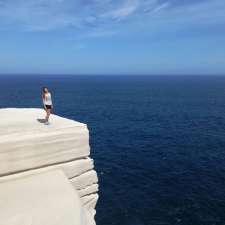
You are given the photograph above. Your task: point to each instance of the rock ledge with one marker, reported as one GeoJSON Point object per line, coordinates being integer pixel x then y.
{"type": "Point", "coordinates": [58, 152]}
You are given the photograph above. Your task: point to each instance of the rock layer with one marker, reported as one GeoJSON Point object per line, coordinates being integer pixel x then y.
{"type": "Point", "coordinates": [39, 199]}
{"type": "Point", "coordinates": [28, 146]}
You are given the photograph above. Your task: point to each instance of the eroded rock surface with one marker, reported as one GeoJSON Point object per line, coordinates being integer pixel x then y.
{"type": "Point", "coordinates": [28, 147]}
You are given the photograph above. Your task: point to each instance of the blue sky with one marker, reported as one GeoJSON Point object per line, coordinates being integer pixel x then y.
{"type": "Point", "coordinates": [112, 36]}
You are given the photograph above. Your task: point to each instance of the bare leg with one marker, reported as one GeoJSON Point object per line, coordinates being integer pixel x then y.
{"type": "Point", "coordinates": [46, 117]}
{"type": "Point", "coordinates": [48, 113]}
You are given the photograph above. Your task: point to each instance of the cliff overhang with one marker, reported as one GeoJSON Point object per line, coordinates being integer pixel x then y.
{"type": "Point", "coordinates": [52, 161]}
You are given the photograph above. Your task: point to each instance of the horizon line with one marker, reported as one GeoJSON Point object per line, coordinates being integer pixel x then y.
{"type": "Point", "coordinates": [76, 74]}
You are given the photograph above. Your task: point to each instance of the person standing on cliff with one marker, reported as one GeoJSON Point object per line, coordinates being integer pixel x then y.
{"type": "Point", "coordinates": [47, 102]}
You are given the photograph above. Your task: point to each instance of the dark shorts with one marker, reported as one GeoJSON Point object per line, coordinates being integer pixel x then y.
{"type": "Point", "coordinates": [48, 106]}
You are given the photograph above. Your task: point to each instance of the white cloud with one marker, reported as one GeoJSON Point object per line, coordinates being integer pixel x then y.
{"type": "Point", "coordinates": [126, 9]}
{"type": "Point", "coordinates": [45, 15]}
{"type": "Point", "coordinates": [203, 12]}
{"type": "Point", "coordinates": [160, 7]}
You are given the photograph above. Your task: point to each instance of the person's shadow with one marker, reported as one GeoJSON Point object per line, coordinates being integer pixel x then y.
{"type": "Point", "coordinates": [41, 120]}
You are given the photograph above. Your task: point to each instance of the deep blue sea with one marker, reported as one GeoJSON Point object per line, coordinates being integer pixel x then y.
{"type": "Point", "coordinates": [158, 142]}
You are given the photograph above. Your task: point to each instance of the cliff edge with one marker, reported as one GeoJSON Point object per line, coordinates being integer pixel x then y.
{"type": "Point", "coordinates": [50, 162]}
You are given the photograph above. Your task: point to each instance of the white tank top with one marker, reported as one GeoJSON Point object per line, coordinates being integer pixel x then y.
{"type": "Point", "coordinates": [47, 99]}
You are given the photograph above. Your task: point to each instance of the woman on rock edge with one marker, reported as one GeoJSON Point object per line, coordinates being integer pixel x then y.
{"type": "Point", "coordinates": [47, 102]}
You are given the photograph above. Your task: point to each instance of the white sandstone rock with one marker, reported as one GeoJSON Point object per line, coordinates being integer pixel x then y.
{"type": "Point", "coordinates": [44, 198]}
{"type": "Point", "coordinates": [30, 149]}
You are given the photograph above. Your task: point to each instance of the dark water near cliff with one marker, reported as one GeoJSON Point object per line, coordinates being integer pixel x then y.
{"type": "Point", "coordinates": [158, 142]}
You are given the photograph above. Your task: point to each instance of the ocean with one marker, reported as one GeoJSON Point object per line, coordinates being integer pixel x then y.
{"type": "Point", "coordinates": [158, 141]}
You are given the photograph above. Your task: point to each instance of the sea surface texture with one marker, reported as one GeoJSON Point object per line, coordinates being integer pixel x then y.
{"type": "Point", "coordinates": [158, 142]}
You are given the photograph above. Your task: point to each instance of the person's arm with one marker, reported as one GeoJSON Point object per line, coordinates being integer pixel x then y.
{"type": "Point", "coordinates": [51, 100]}
{"type": "Point", "coordinates": [43, 99]}
{"type": "Point", "coordinates": [52, 105]}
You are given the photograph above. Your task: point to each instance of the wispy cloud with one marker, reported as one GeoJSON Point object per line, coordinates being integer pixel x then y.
{"type": "Point", "coordinates": [49, 14]}
{"type": "Point", "coordinates": [160, 7]}
{"type": "Point", "coordinates": [127, 8]}
{"type": "Point", "coordinates": [197, 13]}
{"type": "Point", "coordinates": [45, 15]}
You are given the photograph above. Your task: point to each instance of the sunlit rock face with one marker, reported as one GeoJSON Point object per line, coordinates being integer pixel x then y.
{"type": "Point", "coordinates": [29, 148]}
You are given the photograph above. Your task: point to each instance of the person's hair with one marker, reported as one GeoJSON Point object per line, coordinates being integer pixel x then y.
{"type": "Point", "coordinates": [43, 90]}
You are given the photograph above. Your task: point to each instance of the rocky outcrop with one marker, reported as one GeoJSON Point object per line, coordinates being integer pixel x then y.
{"type": "Point", "coordinates": [29, 147]}
{"type": "Point", "coordinates": [39, 198]}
